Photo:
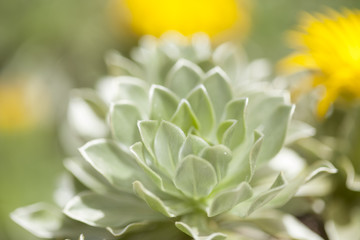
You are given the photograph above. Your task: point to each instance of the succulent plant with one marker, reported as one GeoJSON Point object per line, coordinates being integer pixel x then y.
{"type": "Point", "coordinates": [187, 158]}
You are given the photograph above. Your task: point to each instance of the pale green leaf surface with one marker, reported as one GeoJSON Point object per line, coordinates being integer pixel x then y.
{"type": "Point", "coordinates": [123, 122]}
{"type": "Point", "coordinates": [226, 200]}
{"type": "Point", "coordinates": [201, 105]}
{"type": "Point", "coordinates": [219, 156]}
{"type": "Point", "coordinates": [184, 117]}
{"type": "Point", "coordinates": [163, 103]}
{"type": "Point", "coordinates": [114, 162]}
{"type": "Point", "coordinates": [148, 129]}
{"type": "Point", "coordinates": [219, 90]}
{"type": "Point", "coordinates": [109, 210]}
{"type": "Point", "coordinates": [192, 145]}
{"type": "Point", "coordinates": [195, 177]}
{"type": "Point", "coordinates": [183, 77]}
{"type": "Point", "coordinates": [168, 141]}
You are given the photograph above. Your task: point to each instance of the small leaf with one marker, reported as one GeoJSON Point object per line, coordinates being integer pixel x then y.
{"type": "Point", "coordinates": [223, 127]}
{"type": "Point", "coordinates": [183, 77]}
{"type": "Point", "coordinates": [219, 156]}
{"type": "Point", "coordinates": [123, 122]}
{"type": "Point", "coordinates": [133, 90]}
{"type": "Point", "coordinates": [268, 195]}
{"type": "Point", "coordinates": [274, 131]}
{"type": "Point", "coordinates": [226, 200]}
{"type": "Point", "coordinates": [292, 188]}
{"type": "Point", "coordinates": [219, 90]}
{"type": "Point", "coordinates": [113, 161]}
{"type": "Point", "coordinates": [198, 227]}
{"type": "Point", "coordinates": [132, 227]}
{"type": "Point", "coordinates": [163, 103]}
{"type": "Point", "coordinates": [195, 177]}
{"type": "Point", "coordinates": [148, 129]}
{"type": "Point", "coordinates": [109, 210]}
{"type": "Point", "coordinates": [203, 109]}
{"type": "Point", "coordinates": [184, 117]}
{"type": "Point", "coordinates": [170, 208]}
{"type": "Point", "coordinates": [120, 65]}
{"type": "Point", "coordinates": [168, 141]}
{"type": "Point", "coordinates": [192, 145]}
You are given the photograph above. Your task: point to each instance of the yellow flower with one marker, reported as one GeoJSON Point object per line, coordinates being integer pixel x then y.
{"type": "Point", "coordinates": [156, 17]}
{"type": "Point", "coordinates": [20, 108]}
{"type": "Point", "coordinates": [329, 47]}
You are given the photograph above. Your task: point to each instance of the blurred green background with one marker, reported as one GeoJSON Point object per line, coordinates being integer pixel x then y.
{"type": "Point", "coordinates": [61, 43]}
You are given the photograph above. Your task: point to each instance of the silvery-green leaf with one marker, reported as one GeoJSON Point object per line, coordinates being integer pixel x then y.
{"type": "Point", "coordinates": [235, 134]}
{"type": "Point", "coordinates": [113, 161]}
{"type": "Point", "coordinates": [132, 227]}
{"type": "Point", "coordinates": [134, 90]}
{"type": "Point", "coordinates": [184, 117]}
{"type": "Point", "coordinates": [203, 109]}
{"type": "Point", "coordinates": [223, 128]}
{"type": "Point", "coordinates": [219, 156]}
{"type": "Point", "coordinates": [87, 175]}
{"type": "Point", "coordinates": [148, 129]}
{"type": "Point", "coordinates": [119, 65]}
{"type": "Point", "coordinates": [352, 178]}
{"type": "Point", "coordinates": [183, 77]}
{"type": "Point", "coordinates": [47, 221]}
{"type": "Point", "coordinates": [227, 57]}
{"type": "Point", "coordinates": [168, 141]}
{"type": "Point", "coordinates": [293, 186]}
{"type": "Point", "coordinates": [163, 103]}
{"type": "Point", "coordinates": [160, 180]}
{"type": "Point", "coordinates": [226, 200]}
{"type": "Point", "coordinates": [192, 145]}
{"type": "Point", "coordinates": [195, 177]}
{"type": "Point", "coordinates": [219, 90]}
{"type": "Point", "coordinates": [198, 228]}
{"type": "Point", "coordinates": [244, 167]}
{"type": "Point", "coordinates": [338, 231]}
{"type": "Point", "coordinates": [261, 106]}
{"type": "Point", "coordinates": [298, 130]}
{"type": "Point", "coordinates": [264, 197]}
{"type": "Point", "coordinates": [123, 122]}
{"type": "Point", "coordinates": [274, 131]}
{"type": "Point", "coordinates": [86, 114]}
{"type": "Point", "coordinates": [170, 207]}
{"type": "Point", "coordinates": [283, 226]}
{"type": "Point", "coordinates": [109, 210]}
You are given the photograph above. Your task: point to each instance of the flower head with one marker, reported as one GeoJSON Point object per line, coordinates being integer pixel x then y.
{"type": "Point", "coordinates": [329, 47]}
{"type": "Point", "coordinates": [156, 17]}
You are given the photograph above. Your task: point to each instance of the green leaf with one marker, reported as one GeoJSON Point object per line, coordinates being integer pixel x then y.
{"type": "Point", "coordinates": [226, 200]}
{"type": "Point", "coordinates": [198, 227]}
{"type": "Point", "coordinates": [203, 109]}
{"type": "Point", "coordinates": [223, 128]}
{"type": "Point", "coordinates": [219, 156]}
{"type": "Point", "coordinates": [87, 175]}
{"type": "Point", "coordinates": [148, 129]}
{"type": "Point", "coordinates": [168, 141]}
{"type": "Point", "coordinates": [123, 122]}
{"type": "Point", "coordinates": [134, 90]}
{"type": "Point", "coordinates": [195, 177]}
{"type": "Point", "coordinates": [219, 90]}
{"type": "Point", "coordinates": [267, 196]}
{"type": "Point", "coordinates": [192, 145]}
{"type": "Point", "coordinates": [235, 134]}
{"type": "Point", "coordinates": [109, 210]}
{"type": "Point", "coordinates": [132, 227]}
{"type": "Point", "coordinates": [160, 180]}
{"type": "Point", "coordinates": [114, 162]}
{"type": "Point", "coordinates": [308, 174]}
{"type": "Point", "coordinates": [171, 207]}
{"type": "Point", "coordinates": [183, 77]}
{"type": "Point", "coordinates": [163, 103]}
{"type": "Point", "coordinates": [184, 117]}
{"type": "Point", "coordinates": [274, 131]}
{"type": "Point", "coordinates": [119, 65]}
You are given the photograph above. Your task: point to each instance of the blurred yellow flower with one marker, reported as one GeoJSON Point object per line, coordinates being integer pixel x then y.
{"type": "Point", "coordinates": [20, 109]}
{"type": "Point", "coordinates": [329, 47]}
{"type": "Point", "coordinates": [213, 17]}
